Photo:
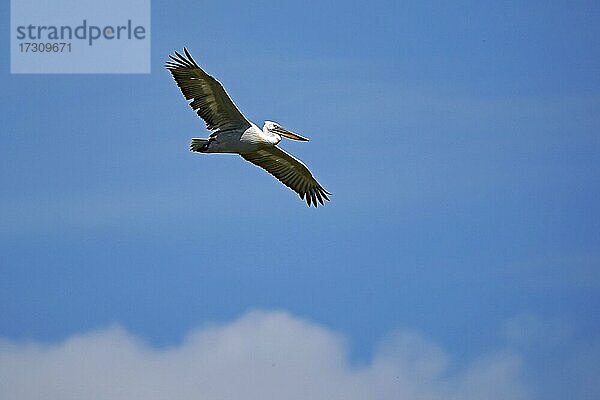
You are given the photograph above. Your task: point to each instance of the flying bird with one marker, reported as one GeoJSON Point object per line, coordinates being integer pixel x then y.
{"type": "Point", "coordinates": [233, 133]}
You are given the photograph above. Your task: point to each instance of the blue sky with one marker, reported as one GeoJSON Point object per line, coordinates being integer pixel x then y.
{"type": "Point", "coordinates": [460, 142]}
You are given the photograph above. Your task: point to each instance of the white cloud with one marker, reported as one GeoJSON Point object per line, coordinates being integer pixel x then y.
{"type": "Point", "coordinates": [562, 360]}
{"type": "Point", "coordinates": [263, 355]}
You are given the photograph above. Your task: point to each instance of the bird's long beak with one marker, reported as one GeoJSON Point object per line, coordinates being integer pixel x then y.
{"type": "Point", "coordinates": [290, 134]}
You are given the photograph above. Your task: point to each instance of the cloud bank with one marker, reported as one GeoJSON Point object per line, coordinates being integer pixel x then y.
{"type": "Point", "coordinates": [262, 355]}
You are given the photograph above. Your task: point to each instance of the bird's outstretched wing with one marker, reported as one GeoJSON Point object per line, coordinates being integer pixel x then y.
{"type": "Point", "coordinates": [206, 94]}
{"type": "Point", "coordinates": [289, 171]}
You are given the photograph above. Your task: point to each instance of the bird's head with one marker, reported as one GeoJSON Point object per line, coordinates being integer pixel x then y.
{"type": "Point", "coordinates": [275, 128]}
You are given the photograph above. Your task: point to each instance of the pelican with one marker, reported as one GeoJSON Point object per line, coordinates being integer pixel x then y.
{"type": "Point", "coordinates": [233, 133]}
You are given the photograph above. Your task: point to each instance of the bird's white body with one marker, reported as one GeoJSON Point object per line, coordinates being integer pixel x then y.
{"type": "Point", "coordinates": [240, 141]}
{"type": "Point", "coordinates": [233, 133]}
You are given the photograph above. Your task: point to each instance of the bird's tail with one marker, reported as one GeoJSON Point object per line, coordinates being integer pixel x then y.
{"type": "Point", "coordinates": [199, 145]}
